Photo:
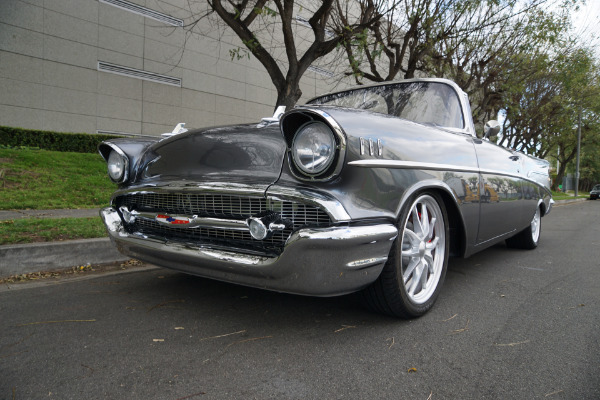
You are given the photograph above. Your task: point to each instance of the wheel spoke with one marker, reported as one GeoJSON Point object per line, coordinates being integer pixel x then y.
{"type": "Point", "coordinates": [416, 279]}
{"type": "Point", "coordinates": [416, 220]}
{"type": "Point", "coordinates": [411, 252]}
{"type": "Point", "coordinates": [431, 229]}
{"type": "Point", "coordinates": [424, 275]}
{"type": "Point", "coordinates": [433, 244]}
{"type": "Point", "coordinates": [410, 268]}
{"type": "Point", "coordinates": [425, 220]}
{"type": "Point", "coordinates": [429, 260]}
{"type": "Point", "coordinates": [412, 237]}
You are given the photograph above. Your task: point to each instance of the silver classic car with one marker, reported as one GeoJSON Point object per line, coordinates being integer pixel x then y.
{"type": "Point", "coordinates": [367, 190]}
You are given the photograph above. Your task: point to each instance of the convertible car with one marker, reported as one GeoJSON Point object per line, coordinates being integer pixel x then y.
{"type": "Point", "coordinates": [368, 190]}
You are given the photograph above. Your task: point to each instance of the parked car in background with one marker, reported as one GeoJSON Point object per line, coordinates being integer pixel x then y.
{"type": "Point", "coordinates": [595, 192]}
{"type": "Point", "coordinates": [367, 190]}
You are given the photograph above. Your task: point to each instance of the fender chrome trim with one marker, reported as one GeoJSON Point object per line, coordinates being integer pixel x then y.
{"type": "Point", "coordinates": [433, 167]}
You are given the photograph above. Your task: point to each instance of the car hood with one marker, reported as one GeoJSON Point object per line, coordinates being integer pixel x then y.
{"type": "Point", "coordinates": [234, 154]}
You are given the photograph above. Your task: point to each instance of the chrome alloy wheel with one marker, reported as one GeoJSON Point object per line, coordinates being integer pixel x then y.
{"type": "Point", "coordinates": [536, 225]}
{"type": "Point", "coordinates": [423, 249]}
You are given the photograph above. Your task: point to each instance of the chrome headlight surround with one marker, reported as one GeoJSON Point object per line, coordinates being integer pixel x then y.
{"type": "Point", "coordinates": [297, 123]}
{"type": "Point", "coordinates": [117, 164]}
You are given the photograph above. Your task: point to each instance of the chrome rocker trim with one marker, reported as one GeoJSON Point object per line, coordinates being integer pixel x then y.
{"type": "Point", "coordinates": [317, 262]}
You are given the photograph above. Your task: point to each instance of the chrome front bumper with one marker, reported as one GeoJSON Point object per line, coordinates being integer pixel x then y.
{"type": "Point", "coordinates": [318, 262]}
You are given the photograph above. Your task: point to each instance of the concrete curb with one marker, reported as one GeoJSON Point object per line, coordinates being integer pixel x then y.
{"type": "Point", "coordinates": [26, 258]}
{"type": "Point", "coordinates": [564, 202]}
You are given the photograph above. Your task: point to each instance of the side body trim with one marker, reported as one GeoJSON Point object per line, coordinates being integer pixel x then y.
{"type": "Point", "coordinates": [432, 167]}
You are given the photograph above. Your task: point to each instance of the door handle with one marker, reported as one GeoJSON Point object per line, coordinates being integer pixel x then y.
{"type": "Point", "coordinates": [514, 158]}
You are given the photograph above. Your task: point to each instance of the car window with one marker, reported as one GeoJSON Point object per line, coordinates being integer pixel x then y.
{"type": "Point", "coordinates": [430, 103]}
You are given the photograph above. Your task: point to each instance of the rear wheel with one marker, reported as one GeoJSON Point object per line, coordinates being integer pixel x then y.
{"type": "Point", "coordinates": [413, 275]}
{"type": "Point", "coordinates": [528, 238]}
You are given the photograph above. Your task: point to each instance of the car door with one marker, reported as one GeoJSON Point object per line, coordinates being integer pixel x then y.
{"type": "Point", "coordinates": [500, 190]}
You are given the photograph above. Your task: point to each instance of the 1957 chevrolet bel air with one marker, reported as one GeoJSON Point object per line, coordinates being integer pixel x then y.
{"type": "Point", "coordinates": [369, 190]}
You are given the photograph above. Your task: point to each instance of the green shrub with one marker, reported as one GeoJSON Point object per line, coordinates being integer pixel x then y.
{"type": "Point", "coordinates": [48, 140]}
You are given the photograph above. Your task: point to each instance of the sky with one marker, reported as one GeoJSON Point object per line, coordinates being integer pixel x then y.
{"type": "Point", "coordinates": [586, 23]}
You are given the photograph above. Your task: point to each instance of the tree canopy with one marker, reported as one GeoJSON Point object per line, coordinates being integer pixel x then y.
{"type": "Point", "coordinates": [249, 20]}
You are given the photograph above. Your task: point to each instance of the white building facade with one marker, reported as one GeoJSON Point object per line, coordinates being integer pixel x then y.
{"type": "Point", "coordinates": [128, 67]}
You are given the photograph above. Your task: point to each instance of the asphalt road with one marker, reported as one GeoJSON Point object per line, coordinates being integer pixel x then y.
{"type": "Point", "coordinates": [509, 325]}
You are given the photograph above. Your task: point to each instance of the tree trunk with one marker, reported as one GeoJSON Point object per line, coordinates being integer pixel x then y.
{"type": "Point", "coordinates": [288, 96]}
{"type": "Point", "coordinates": [559, 176]}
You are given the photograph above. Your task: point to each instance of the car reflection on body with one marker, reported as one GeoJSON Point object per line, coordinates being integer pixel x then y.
{"type": "Point", "coordinates": [368, 190]}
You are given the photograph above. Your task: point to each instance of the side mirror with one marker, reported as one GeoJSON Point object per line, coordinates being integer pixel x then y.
{"type": "Point", "coordinates": [491, 128]}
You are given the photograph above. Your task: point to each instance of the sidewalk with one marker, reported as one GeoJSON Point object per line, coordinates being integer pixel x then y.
{"type": "Point", "coordinates": [35, 257]}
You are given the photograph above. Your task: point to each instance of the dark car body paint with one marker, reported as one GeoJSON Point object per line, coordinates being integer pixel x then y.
{"type": "Point", "coordinates": [257, 157]}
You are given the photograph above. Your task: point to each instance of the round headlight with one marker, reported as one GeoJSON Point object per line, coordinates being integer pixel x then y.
{"type": "Point", "coordinates": [313, 148]}
{"type": "Point", "coordinates": [117, 166]}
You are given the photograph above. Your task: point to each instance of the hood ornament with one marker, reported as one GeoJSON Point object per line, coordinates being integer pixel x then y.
{"type": "Point", "coordinates": [179, 128]}
{"type": "Point", "coordinates": [272, 120]}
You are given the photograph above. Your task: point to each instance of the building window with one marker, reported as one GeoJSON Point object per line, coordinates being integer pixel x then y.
{"type": "Point", "coordinates": [137, 73]}
{"type": "Point", "coordinates": [321, 71]}
{"type": "Point", "coordinates": [146, 12]}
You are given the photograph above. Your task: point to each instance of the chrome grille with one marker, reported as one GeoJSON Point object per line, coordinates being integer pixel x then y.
{"type": "Point", "coordinates": [213, 205]}
{"type": "Point", "coordinates": [220, 206]}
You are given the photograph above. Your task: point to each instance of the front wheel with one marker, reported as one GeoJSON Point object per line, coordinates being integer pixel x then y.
{"type": "Point", "coordinates": [528, 238]}
{"type": "Point", "coordinates": [413, 275]}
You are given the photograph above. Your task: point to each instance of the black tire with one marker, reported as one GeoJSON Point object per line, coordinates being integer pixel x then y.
{"type": "Point", "coordinates": [529, 237]}
{"type": "Point", "coordinates": [409, 285]}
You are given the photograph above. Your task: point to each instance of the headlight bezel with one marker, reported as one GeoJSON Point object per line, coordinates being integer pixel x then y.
{"type": "Point", "coordinates": [124, 176]}
{"type": "Point", "coordinates": [293, 122]}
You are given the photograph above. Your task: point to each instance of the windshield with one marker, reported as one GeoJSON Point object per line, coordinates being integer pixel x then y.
{"type": "Point", "coordinates": [597, 187]}
{"type": "Point", "coordinates": [430, 103]}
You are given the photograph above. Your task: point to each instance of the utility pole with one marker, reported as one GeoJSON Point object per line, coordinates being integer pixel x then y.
{"type": "Point", "coordinates": [578, 151]}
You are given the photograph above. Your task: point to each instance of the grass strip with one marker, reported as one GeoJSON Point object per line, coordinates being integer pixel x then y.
{"type": "Point", "coordinates": [43, 179]}
{"type": "Point", "coordinates": [32, 230]}
{"type": "Point", "coordinates": [568, 196]}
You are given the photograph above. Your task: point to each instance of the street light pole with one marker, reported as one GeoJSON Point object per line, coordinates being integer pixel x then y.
{"type": "Point", "coordinates": [578, 151]}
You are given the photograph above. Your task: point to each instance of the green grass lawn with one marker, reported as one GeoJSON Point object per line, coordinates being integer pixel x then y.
{"type": "Point", "coordinates": [30, 230]}
{"type": "Point", "coordinates": [42, 180]}
{"type": "Point", "coordinates": [569, 195]}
